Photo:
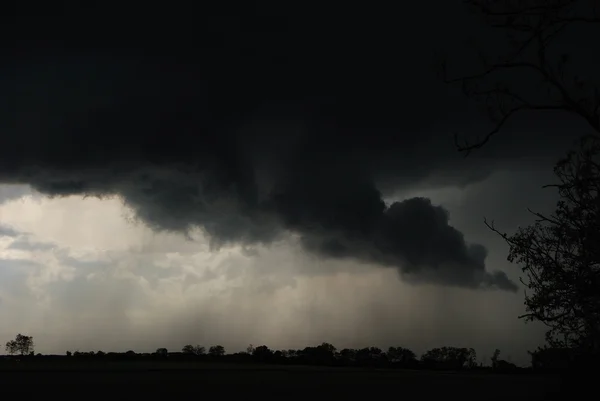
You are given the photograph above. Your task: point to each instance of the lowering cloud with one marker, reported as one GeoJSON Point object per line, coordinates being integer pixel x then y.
{"type": "Point", "coordinates": [252, 146]}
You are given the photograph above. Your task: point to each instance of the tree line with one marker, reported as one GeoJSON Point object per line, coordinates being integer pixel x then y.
{"type": "Point", "coordinates": [325, 354]}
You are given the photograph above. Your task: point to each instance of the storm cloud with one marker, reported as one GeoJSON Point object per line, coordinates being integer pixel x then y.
{"type": "Point", "coordinates": [253, 138]}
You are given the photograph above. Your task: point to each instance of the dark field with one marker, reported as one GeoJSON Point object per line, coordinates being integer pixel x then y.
{"type": "Point", "coordinates": [148, 381]}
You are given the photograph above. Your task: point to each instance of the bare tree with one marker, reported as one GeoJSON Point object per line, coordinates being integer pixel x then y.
{"type": "Point", "coordinates": [560, 254]}
{"type": "Point", "coordinates": [532, 74]}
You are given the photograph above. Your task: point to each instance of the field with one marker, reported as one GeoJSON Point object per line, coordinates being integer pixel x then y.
{"type": "Point", "coordinates": [181, 381]}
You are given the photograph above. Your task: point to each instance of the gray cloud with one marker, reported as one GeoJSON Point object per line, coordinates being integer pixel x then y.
{"type": "Point", "coordinates": [250, 148]}
{"type": "Point", "coordinates": [10, 192]}
{"type": "Point", "coordinates": [12, 277]}
{"type": "Point", "coordinates": [336, 216]}
{"type": "Point", "coordinates": [7, 231]}
{"type": "Point", "coordinates": [26, 244]}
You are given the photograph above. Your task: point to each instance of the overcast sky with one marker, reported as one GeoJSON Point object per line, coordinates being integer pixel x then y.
{"type": "Point", "coordinates": [257, 181]}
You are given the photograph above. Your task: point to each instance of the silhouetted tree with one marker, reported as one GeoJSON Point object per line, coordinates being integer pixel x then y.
{"type": "Point", "coordinates": [327, 348]}
{"type": "Point", "coordinates": [262, 354]}
{"type": "Point", "coordinates": [505, 366]}
{"type": "Point", "coordinates": [560, 254]}
{"type": "Point", "coordinates": [22, 345]}
{"type": "Point", "coordinates": [369, 356]}
{"type": "Point", "coordinates": [162, 352]}
{"type": "Point", "coordinates": [495, 358]}
{"type": "Point", "coordinates": [325, 353]}
{"type": "Point", "coordinates": [548, 358]}
{"type": "Point", "coordinates": [447, 358]}
{"type": "Point", "coordinates": [472, 359]}
{"type": "Point", "coordinates": [250, 349]}
{"type": "Point", "coordinates": [401, 356]}
{"type": "Point", "coordinates": [347, 356]}
{"type": "Point", "coordinates": [216, 350]}
{"type": "Point", "coordinates": [500, 365]}
{"type": "Point", "coordinates": [196, 350]}
{"type": "Point", "coordinates": [531, 75]}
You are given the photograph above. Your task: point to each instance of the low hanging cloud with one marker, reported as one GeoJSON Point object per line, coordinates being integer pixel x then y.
{"type": "Point", "coordinates": [251, 150]}
{"type": "Point", "coordinates": [341, 217]}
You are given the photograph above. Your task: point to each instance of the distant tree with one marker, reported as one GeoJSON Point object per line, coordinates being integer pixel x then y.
{"type": "Point", "coordinates": [548, 358]}
{"type": "Point", "coordinates": [327, 348]}
{"type": "Point", "coordinates": [262, 353]}
{"type": "Point", "coordinates": [324, 353]}
{"type": "Point", "coordinates": [11, 347]}
{"type": "Point", "coordinates": [216, 350]}
{"type": "Point", "coordinates": [22, 345]}
{"type": "Point", "coordinates": [69, 353]}
{"type": "Point", "coordinates": [162, 352]}
{"type": "Point", "coordinates": [193, 350]}
{"type": "Point", "coordinates": [368, 356]}
{"type": "Point", "coordinates": [560, 254]}
{"type": "Point", "coordinates": [347, 355]}
{"type": "Point", "coordinates": [447, 357]}
{"type": "Point", "coordinates": [402, 356]}
{"type": "Point", "coordinates": [505, 366]}
{"type": "Point", "coordinates": [472, 359]}
{"type": "Point", "coordinates": [495, 358]}
{"type": "Point", "coordinates": [501, 365]}
{"type": "Point", "coordinates": [250, 349]}
{"type": "Point", "coordinates": [535, 73]}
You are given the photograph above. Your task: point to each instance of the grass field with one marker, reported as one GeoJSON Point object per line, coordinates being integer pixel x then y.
{"type": "Point", "coordinates": [180, 381]}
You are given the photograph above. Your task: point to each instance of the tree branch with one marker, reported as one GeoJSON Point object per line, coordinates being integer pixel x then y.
{"type": "Point", "coordinates": [541, 24]}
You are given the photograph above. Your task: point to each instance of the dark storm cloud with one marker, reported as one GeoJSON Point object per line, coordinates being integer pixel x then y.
{"type": "Point", "coordinates": [261, 127]}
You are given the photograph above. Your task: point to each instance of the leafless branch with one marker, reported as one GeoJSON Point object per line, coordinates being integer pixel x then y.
{"type": "Point", "coordinates": [538, 25]}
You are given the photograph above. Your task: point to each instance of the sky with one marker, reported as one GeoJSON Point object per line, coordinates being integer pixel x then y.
{"type": "Point", "coordinates": [249, 180]}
